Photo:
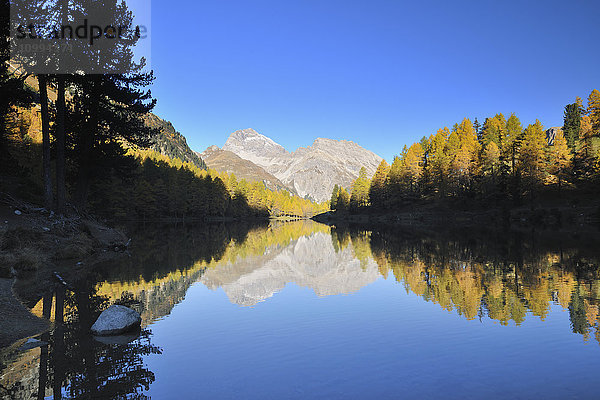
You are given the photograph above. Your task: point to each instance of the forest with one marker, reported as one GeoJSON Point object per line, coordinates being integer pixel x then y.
{"type": "Point", "coordinates": [88, 143]}
{"type": "Point", "coordinates": [498, 163]}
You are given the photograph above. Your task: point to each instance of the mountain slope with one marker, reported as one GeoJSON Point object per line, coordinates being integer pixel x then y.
{"type": "Point", "coordinates": [312, 171]}
{"type": "Point", "coordinates": [226, 161]}
{"type": "Point", "coordinates": [171, 143]}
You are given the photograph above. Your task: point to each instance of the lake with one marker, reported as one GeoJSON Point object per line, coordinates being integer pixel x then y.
{"type": "Point", "coordinates": [303, 310]}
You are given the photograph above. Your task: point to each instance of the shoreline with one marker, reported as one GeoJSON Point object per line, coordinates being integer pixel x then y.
{"type": "Point", "coordinates": [551, 218]}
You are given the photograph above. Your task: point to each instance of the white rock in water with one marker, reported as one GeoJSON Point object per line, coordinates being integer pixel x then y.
{"type": "Point", "coordinates": [116, 319]}
{"type": "Point", "coordinates": [17, 212]}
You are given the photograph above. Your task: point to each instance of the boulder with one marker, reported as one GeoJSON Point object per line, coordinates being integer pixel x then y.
{"type": "Point", "coordinates": [115, 320]}
{"type": "Point", "coordinates": [105, 236]}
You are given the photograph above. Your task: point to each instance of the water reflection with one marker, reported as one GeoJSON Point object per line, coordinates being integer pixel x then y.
{"type": "Point", "coordinates": [69, 363]}
{"type": "Point", "coordinates": [506, 277]}
{"type": "Point", "coordinates": [499, 275]}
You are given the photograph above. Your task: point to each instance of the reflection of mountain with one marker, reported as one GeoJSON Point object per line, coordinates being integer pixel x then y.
{"type": "Point", "coordinates": [310, 262]}
{"type": "Point", "coordinates": [224, 246]}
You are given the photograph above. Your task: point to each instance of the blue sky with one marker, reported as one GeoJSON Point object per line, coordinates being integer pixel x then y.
{"type": "Point", "coordinates": [380, 73]}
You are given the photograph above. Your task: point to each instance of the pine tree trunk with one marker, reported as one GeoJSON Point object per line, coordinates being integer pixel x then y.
{"type": "Point", "coordinates": [86, 148]}
{"type": "Point", "coordinates": [60, 145]}
{"type": "Point", "coordinates": [42, 82]}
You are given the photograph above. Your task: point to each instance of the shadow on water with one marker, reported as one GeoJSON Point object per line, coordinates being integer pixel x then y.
{"type": "Point", "coordinates": [68, 362]}
{"type": "Point", "coordinates": [504, 276]}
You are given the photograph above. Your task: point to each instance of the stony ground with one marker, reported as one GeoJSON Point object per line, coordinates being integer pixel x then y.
{"type": "Point", "coordinates": [16, 321]}
{"type": "Point", "coordinates": [34, 244]}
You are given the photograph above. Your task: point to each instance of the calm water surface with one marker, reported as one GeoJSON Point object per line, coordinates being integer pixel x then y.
{"type": "Point", "coordinates": [301, 310]}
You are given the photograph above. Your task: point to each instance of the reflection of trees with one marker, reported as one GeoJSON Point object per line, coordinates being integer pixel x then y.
{"type": "Point", "coordinates": [88, 368]}
{"type": "Point", "coordinates": [76, 366]}
{"type": "Point", "coordinates": [501, 275]}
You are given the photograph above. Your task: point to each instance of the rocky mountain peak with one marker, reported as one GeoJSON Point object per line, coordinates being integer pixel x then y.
{"type": "Point", "coordinates": [252, 146]}
{"type": "Point", "coordinates": [209, 151]}
{"type": "Point", "coordinates": [309, 171]}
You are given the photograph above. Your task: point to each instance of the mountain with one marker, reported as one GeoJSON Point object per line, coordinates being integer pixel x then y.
{"type": "Point", "coordinates": [226, 161]}
{"type": "Point", "coordinates": [171, 143]}
{"type": "Point", "coordinates": [312, 171]}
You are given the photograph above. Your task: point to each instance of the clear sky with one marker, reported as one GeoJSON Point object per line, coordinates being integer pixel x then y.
{"type": "Point", "coordinates": [380, 73]}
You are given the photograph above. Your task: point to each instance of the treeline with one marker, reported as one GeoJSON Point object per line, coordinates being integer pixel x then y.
{"type": "Point", "coordinates": [162, 187]}
{"type": "Point", "coordinates": [499, 162]}
{"type": "Point", "coordinates": [82, 140]}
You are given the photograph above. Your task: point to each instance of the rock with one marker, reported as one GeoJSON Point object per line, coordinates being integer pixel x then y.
{"type": "Point", "coordinates": [45, 229]}
{"type": "Point", "coordinates": [17, 212]}
{"type": "Point", "coordinates": [107, 237]}
{"type": "Point", "coordinates": [32, 344]}
{"type": "Point", "coordinates": [115, 320]}
{"type": "Point", "coordinates": [551, 134]}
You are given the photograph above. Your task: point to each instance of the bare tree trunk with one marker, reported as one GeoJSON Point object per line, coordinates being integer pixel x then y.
{"type": "Point", "coordinates": [60, 145]}
{"type": "Point", "coordinates": [42, 81]}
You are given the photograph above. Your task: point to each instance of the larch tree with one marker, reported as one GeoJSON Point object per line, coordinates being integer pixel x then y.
{"type": "Point", "coordinates": [584, 155]}
{"type": "Point", "coordinates": [413, 162]}
{"type": "Point", "coordinates": [343, 201]}
{"type": "Point", "coordinates": [377, 190]}
{"type": "Point", "coordinates": [491, 159]}
{"type": "Point", "coordinates": [493, 131]}
{"type": "Point", "coordinates": [439, 161]}
{"type": "Point", "coordinates": [334, 197]}
{"type": "Point", "coordinates": [533, 154]}
{"type": "Point", "coordinates": [394, 181]}
{"type": "Point", "coordinates": [559, 158]}
{"type": "Point", "coordinates": [360, 191]}
{"type": "Point", "coordinates": [593, 110]}
{"type": "Point", "coordinates": [509, 151]}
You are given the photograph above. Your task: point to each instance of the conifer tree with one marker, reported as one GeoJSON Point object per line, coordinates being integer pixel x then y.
{"type": "Point", "coordinates": [343, 201]}
{"type": "Point", "coordinates": [394, 181]}
{"type": "Point", "coordinates": [572, 124]}
{"type": "Point", "coordinates": [593, 110]}
{"type": "Point", "coordinates": [559, 158]}
{"type": "Point", "coordinates": [360, 191]}
{"type": "Point", "coordinates": [334, 197]}
{"type": "Point", "coordinates": [533, 154]}
{"type": "Point", "coordinates": [514, 131]}
{"type": "Point", "coordinates": [413, 163]}
{"type": "Point", "coordinates": [377, 191]}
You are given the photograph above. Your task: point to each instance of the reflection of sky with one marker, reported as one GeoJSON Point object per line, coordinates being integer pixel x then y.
{"type": "Point", "coordinates": [380, 342]}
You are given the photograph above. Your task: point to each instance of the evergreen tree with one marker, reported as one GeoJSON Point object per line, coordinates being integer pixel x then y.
{"type": "Point", "coordinates": [572, 125]}
{"type": "Point", "coordinates": [108, 108]}
{"type": "Point", "coordinates": [477, 127]}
